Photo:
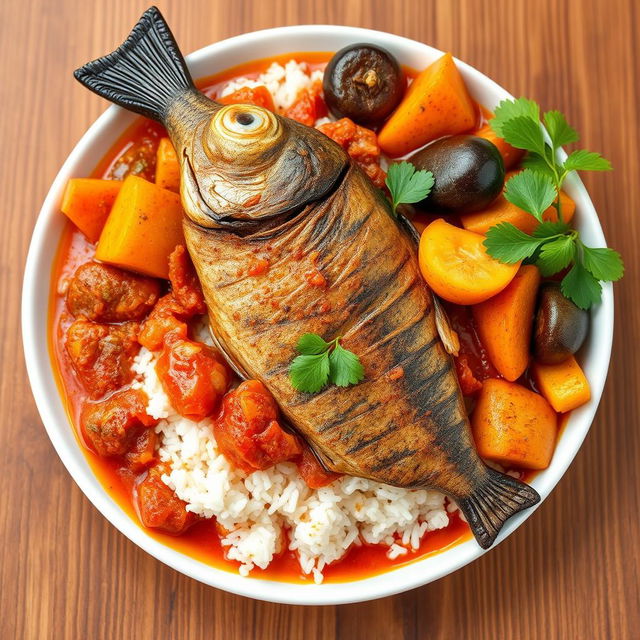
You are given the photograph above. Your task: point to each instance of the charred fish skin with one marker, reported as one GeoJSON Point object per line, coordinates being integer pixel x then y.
{"type": "Point", "coordinates": [255, 184]}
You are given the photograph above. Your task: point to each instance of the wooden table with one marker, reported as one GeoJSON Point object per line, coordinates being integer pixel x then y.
{"type": "Point", "coordinates": [571, 572]}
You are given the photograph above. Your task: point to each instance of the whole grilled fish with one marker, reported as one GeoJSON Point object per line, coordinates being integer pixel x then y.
{"type": "Point", "coordinates": [288, 237]}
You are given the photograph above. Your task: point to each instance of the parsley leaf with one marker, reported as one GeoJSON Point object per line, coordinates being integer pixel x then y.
{"type": "Point", "coordinates": [524, 133]}
{"type": "Point", "coordinates": [603, 264]}
{"type": "Point", "coordinates": [505, 242]}
{"type": "Point", "coordinates": [531, 191]}
{"type": "Point", "coordinates": [309, 373]}
{"type": "Point", "coordinates": [582, 160]}
{"type": "Point", "coordinates": [556, 255]}
{"type": "Point", "coordinates": [407, 185]}
{"type": "Point", "coordinates": [581, 287]}
{"type": "Point", "coordinates": [548, 229]}
{"type": "Point", "coordinates": [537, 163]}
{"type": "Point", "coordinates": [344, 367]}
{"type": "Point", "coordinates": [559, 130]}
{"type": "Point", "coordinates": [509, 109]}
{"type": "Point", "coordinates": [311, 344]}
{"type": "Point", "coordinates": [321, 362]}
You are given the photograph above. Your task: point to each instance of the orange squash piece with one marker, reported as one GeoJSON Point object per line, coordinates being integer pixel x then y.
{"type": "Point", "coordinates": [514, 426]}
{"type": "Point", "coordinates": [510, 155]}
{"type": "Point", "coordinates": [87, 203]}
{"type": "Point", "coordinates": [456, 265]}
{"type": "Point", "coordinates": [564, 385]}
{"type": "Point", "coordinates": [143, 228]}
{"type": "Point", "coordinates": [504, 323]}
{"type": "Point", "coordinates": [436, 104]}
{"type": "Point", "coordinates": [167, 166]}
{"type": "Point", "coordinates": [501, 210]}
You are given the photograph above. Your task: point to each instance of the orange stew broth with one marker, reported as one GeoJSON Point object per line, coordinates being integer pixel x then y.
{"type": "Point", "coordinates": [202, 541]}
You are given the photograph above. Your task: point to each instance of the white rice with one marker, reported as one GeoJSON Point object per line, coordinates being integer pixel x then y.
{"type": "Point", "coordinates": [283, 82]}
{"type": "Point", "coordinates": [262, 513]}
{"type": "Point", "coordinates": [265, 511]}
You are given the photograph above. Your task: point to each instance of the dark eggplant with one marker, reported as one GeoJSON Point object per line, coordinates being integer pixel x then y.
{"type": "Point", "coordinates": [468, 173]}
{"type": "Point", "coordinates": [560, 326]}
{"type": "Point", "coordinates": [363, 82]}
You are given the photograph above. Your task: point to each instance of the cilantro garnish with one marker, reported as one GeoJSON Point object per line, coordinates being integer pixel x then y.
{"type": "Point", "coordinates": [408, 185]}
{"type": "Point", "coordinates": [322, 362]}
{"type": "Point", "coordinates": [553, 246]}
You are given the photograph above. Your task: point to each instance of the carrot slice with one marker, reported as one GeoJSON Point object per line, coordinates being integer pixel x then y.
{"type": "Point", "coordinates": [564, 385]}
{"type": "Point", "coordinates": [504, 323]}
{"type": "Point", "coordinates": [501, 210]}
{"type": "Point", "coordinates": [167, 166]}
{"type": "Point", "coordinates": [514, 426]}
{"type": "Point", "coordinates": [87, 202]}
{"type": "Point", "coordinates": [510, 155]}
{"type": "Point", "coordinates": [456, 265]}
{"type": "Point", "coordinates": [436, 104]}
{"type": "Point", "coordinates": [143, 228]}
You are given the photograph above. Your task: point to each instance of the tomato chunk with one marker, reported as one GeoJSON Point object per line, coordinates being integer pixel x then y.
{"type": "Point", "coordinates": [192, 376]}
{"type": "Point", "coordinates": [159, 507]}
{"type": "Point", "coordinates": [112, 426]}
{"type": "Point", "coordinates": [248, 432]}
{"type": "Point", "coordinates": [303, 110]}
{"type": "Point", "coordinates": [185, 285]}
{"type": "Point", "coordinates": [312, 472]}
{"type": "Point", "coordinates": [259, 96]}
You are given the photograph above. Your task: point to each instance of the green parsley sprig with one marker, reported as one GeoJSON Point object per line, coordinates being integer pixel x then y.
{"type": "Point", "coordinates": [408, 185]}
{"type": "Point", "coordinates": [322, 362]}
{"type": "Point", "coordinates": [553, 246]}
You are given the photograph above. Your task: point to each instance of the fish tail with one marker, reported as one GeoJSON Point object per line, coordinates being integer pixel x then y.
{"type": "Point", "coordinates": [498, 498]}
{"type": "Point", "coordinates": [145, 74]}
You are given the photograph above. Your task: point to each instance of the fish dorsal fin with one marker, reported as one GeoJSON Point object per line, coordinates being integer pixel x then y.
{"type": "Point", "coordinates": [449, 337]}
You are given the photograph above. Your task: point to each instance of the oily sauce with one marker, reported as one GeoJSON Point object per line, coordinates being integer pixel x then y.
{"type": "Point", "coordinates": [134, 151]}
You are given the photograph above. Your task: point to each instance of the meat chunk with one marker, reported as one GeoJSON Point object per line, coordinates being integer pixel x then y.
{"type": "Point", "coordinates": [192, 375]}
{"type": "Point", "coordinates": [163, 319]}
{"type": "Point", "coordinates": [102, 354]}
{"type": "Point", "coordinates": [248, 433]}
{"type": "Point", "coordinates": [185, 285]}
{"type": "Point", "coordinates": [113, 426]}
{"type": "Point", "coordinates": [107, 294]}
{"type": "Point", "coordinates": [360, 143]}
{"type": "Point", "coordinates": [158, 505]}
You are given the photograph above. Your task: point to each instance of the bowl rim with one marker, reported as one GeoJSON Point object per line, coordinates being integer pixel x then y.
{"type": "Point", "coordinates": [39, 369]}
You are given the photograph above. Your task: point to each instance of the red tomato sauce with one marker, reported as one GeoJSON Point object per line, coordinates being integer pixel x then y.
{"type": "Point", "coordinates": [134, 149]}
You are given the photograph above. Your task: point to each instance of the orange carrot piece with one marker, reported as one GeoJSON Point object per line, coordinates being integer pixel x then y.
{"type": "Point", "coordinates": [456, 265]}
{"type": "Point", "coordinates": [504, 323]}
{"type": "Point", "coordinates": [87, 202]}
{"type": "Point", "coordinates": [501, 210]}
{"type": "Point", "coordinates": [143, 228]}
{"type": "Point", "coordinates": [436, 104]}
{"type": "Point", "coordinates": [564, 385]}
{"type": "Point", "coordinates": [167, 166]}
{"type": "Point", "coordinates": [514, 426]}
{"type": "Point", "coordinates": [510, 155]}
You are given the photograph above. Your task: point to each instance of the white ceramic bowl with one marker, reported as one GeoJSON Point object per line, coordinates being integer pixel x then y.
{"type": "Point", "coordinates": [97, 141]}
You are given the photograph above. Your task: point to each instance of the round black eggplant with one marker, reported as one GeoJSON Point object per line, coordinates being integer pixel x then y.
{"type": "Point", "coordinates": [363, 82]}
{"type": "Point", "coordinates": [468, 173]}
{"type": "Point", "coordinates": [560, 326]}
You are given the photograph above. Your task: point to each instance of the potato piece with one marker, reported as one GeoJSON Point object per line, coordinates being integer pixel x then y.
{"type": "Point", "coordinates": [167, 166]}
{"type": "Point", "coordinates": [504, 323]}
{"type": "Point", "coordinates": [143, 228]}
{"type": "Point", "coordinates": [514, 426]}
{"type": "Point", "coordinates": [564, 385]}
{"type": "Point", "coordinates": [87, 203]}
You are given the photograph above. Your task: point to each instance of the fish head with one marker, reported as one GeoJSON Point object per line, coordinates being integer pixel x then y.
{"type": "Point", "coordinates": [244, 166]}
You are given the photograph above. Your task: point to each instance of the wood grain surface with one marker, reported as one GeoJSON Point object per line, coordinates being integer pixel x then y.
{"type": "Point", "coordinates": [571, 572]}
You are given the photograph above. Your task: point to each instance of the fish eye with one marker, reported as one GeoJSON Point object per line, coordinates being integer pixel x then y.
{"type": "Point", "coordinates": [244, 119]}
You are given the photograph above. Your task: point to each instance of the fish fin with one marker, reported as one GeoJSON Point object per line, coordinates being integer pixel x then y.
{"type": "Point", "coordinates": [449, 337]}
{"type": "Point", "coordinates": [493, 503]}
{"type": "Point", "coordinates": [145, 73]}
